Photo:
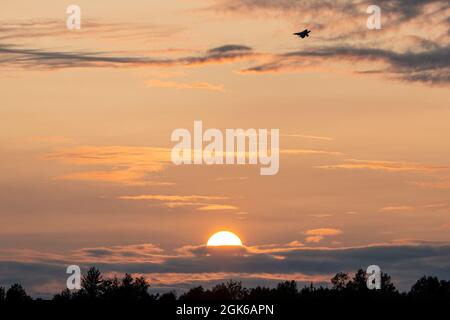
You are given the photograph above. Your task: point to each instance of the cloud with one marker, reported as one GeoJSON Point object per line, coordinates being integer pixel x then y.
{"type": "Point", "coordinates": [405, 208]}
{"type": "Point", "coordinates": [180, 85]}
{"type": "Point", "coordinates": [28, 255]}
{"type": "Point", "coordinates": [177, 201]}
{"type": "Point", "coordinates": [113, 155]}
{"type": "Point", "coordinates": [406, 7]}
{"type": "Point", "coordinates": [126, 165]}
{"type": "Point", "coordinates": [314, 239]}
{"type": "Point", "coordinates": [52, 28]}
{"type": "Point", "coordinates": [408, 48]}
{"type": "Point", "coordinates": [130, 177]}
{"type": "Point", "coordinates": [393, 166]}
{"type": "Point", "coordinates": [140, 253]}
{"type": "Point", "coordinates": [215, 207]}
{"type": "Point", "coordinates": [317, 235]}
{"type": "Point", "coordinates": [324, 232]}
{"type": "Point", "coordinates": [397, 209]}
{"type": "Point", "coordinates": [229, 48]}
{"type": "Point", "coordinates": [130, 165]}
{"type": "Point", "coordinates": [397, 11]}
{"type": "Point", "coordinates": [175, 198]}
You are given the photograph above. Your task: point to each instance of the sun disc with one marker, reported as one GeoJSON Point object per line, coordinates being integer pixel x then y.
{"type": "Point", "coordinates": [224, 238]}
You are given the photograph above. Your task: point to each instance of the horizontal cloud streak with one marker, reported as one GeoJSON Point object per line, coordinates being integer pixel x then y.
{"type": "Point", "coordinates": [384, 165]}
{"type": "Point", "coordinates": [176, 201]}
{"type": "Point", "coordinates": [317, 235]}
{"type": "Point", "coordinates": [180, 85]}
{"type": "Point", "coordinates": [176, 198]}
{"type": "Point", "coordinates": [42, 28]}
{"type": "Point", "coordinates": [404, 8]}
{"type": "Point", "coordinates": [132, 165]}
{"type": "Point", "coordinates": [432, 66]}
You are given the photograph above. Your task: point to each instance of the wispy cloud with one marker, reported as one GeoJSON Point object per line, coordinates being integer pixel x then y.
{"type": "Point", "coordinates": [401, 51]}
{"type": "Point", "coordinates": [136, 177]}
{"type": "Point", "coordinates": [181, 85]}
{"type": "Point", "coordinates": [384, 165]}
{"type": "Point", "coordinates": [140, 253]}
{"type": "Point", "coordinates": [30, 30]}
{"type": "Point", "coordinates": [15, 56]}
{"type": "Point", "coordinates": [410, 208]}
{"type": "Point", "coordinates": [127, 165]}
{"type": "Point", "coordinates": [275, 249]}
{"type": "Point", "coordinates": [431, 65]}
{"type": "Point", "coordinates": [441, 184]}
{"type": "Point", "coordinates": [397, 209]}
{"type": "Point", "coordinates": [131, 165]}
{"type": "Point", "coordinates": [317, 235]}
{"type": "Point", "coordinates": [341, 41]}
{"type": "Point", "coordinates": [335, 20]}
{"type": "Point", "coordinates": [175, 198]}
{"type": "Point", "coordinates": [216, 207]}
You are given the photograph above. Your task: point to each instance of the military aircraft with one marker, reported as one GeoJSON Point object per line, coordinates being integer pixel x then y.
{"type": "Point", "coordinates": [304, 33]}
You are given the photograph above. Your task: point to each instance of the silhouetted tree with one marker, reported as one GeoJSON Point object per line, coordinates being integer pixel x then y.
{"type": "Point", "coordinates": [110, 288]}
{"type": "Point", "coordinates": [231, 290]}
{"type": "Point", "coordinates": [132, 289]}
{"type": "Point", "coordinates": [387, 287]}
{"type": "Point", "coordinates": [195, 294]}
{"type": "Point", "coordinates": [168, 297]}
{"type": "Point", "coordinates": [2, 294]}
{"type": "Point", "coordinates": [65, 295]}
{"type": "Point", "coordinates": [312, 291]}
{"type": "Point", "coordinates": [260, 293]}
{"type": "Point", "coordinates": [16, 293]}
{"type": "Point", "coordinates": [358, 283]}
{"type": "Point", "coordinates": [136, 289]}
{"type": "Point", "coordinates": [287, 290]}
{"type": "Point", "coordinates": [126, 288]}
{"type": "Point", "coordinates": [95, 287]}
{"type": "Point", "coordinates": [141, 286]}
{"type": "Point", "coordinates": [430, 287]}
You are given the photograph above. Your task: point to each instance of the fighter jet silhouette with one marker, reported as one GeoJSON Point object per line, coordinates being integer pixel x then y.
{"type": "Point", "coordinates": [304, 33]}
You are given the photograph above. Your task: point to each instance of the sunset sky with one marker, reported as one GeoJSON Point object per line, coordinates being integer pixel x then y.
{"type": "Point", "coordinates": [86, 118]}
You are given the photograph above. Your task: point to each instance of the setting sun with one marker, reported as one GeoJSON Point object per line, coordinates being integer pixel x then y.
{"type": "Point", "coordinates": [224, 238]}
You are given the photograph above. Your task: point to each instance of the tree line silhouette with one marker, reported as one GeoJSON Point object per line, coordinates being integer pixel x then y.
{"type": "Point", "coordinates": [94, 287]}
